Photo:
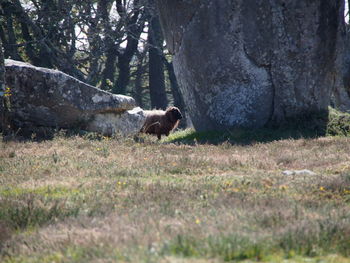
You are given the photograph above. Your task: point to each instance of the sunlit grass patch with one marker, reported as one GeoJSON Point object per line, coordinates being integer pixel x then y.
{"type": "Point", "coordinates": [228, 248]}
{"type": "Point", "coordinates": [239, 136]}
{"type": "Point", "coordinates": [21, 208]}
{"type": "Point", "coordinates": [337, 124]}
{"type": "Point", "coordinates": [77, 199]}
{"type": "Point", "coordinates": [47, 192]}
{"type": "Point", "coordinates": [31, 212]}
{"type": "Point", "coordinates": [307, 239]}
{"type": "Point", "coordinates": [190, 136]}
{"type": "Point", "coordinates": [72, 254]}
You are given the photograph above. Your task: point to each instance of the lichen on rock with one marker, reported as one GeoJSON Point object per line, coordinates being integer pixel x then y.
{"type": "Point", "coordinates": [49, 98]}
{"type": "Point", "coordinates": [252, 62]}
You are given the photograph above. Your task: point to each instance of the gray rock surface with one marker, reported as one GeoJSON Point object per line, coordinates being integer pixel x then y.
{"type": "Point", "coordinates": [252, 62]}
{"type": "Point", "coordinates": [129, 122]}
{"type": "Point", "coordinates": [298, 172]}
{"type": "Point", "coordinates": [341, 93]}
{"type": "Point", "coordinates": [43, 97]}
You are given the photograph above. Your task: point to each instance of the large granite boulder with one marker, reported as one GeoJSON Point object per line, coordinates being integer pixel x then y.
{"type": "Point", "coordinates": [49, 98]}
{"type": "Point", "coordinates": [252, 62]}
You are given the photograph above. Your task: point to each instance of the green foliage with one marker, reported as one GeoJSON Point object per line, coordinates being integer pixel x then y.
{"type": "Point", "coordinates": [229, 248]}
{"type": "Point", "coordinates": [338, 124]}
{"type": "Point", "coordinates": [310, 240]}
{"type": "Point", "coordinates": [21, 208]}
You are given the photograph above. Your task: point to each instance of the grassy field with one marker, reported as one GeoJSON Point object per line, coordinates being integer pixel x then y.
{"type": "Point", "coordinates": [87, 199]}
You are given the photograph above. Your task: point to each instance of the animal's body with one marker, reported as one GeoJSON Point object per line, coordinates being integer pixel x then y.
{"type": "Point", "coordinates": [161, 122]}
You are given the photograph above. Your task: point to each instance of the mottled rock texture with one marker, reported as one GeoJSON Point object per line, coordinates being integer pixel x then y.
{"type": "Point", "coordinates": [129, 122]}
{"type": "Point", "coordinates": [43, 97]}
{"type": "Point", "coordinates": [341, 99]}
{"type": "Point", "coordinates": [248, 63]}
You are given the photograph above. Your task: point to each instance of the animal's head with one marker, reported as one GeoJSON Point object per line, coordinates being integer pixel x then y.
{"type": "Point", "coordinates": [173, 114]}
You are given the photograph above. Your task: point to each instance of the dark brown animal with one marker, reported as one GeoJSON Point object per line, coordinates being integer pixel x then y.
{"type": "Point", "coordinates": [160, 122]}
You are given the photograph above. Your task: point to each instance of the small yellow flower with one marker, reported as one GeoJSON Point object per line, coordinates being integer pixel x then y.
{"type": "Point", "coordinates": [198, 221]}
{"type": "Point", "coordinates": [7, 92]}
{"type": "Point", "coordinates": [322, 188]}
{"type": "Point", "coordinates": [283, 187]}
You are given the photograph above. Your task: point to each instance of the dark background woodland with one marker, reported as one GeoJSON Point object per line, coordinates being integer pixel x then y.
{"type": "Point", "coordinates": [114, 45]}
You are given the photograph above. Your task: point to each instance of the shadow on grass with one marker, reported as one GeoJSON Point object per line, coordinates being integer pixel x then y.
{"type": "Point", "coordinates": [238, 136]}
{"type": "Point", "coordinates": [333, 123]}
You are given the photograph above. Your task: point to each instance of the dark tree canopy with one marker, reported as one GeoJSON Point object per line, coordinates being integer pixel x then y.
{"type": "Point", "coordinates": [102, 42]}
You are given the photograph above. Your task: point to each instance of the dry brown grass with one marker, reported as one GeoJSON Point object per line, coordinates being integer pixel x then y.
{"type": "Point", "coordinates": [112, 200]}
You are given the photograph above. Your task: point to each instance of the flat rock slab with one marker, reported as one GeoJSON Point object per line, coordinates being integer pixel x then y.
{"type": "Point", "coordinates": [42, 97]}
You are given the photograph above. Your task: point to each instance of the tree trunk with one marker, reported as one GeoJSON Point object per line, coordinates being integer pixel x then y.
{"type": "Point", "coordinates": [12, 41]}
{"type": "Point", "coordinates": [94, 40]}
{"type": "Point", "coordinates": [342, 88]}
{"type": "Point", "coordinates": [123, 74]}
{"type": "Point", "coordinates": [124, 60]}
{"type": "Point", "coordinates": [28, 45]}
{"type": "Point", "coordinates": [111, 48]}
{"type": "Point", "coordinates": [175, 90]}
{"type": "Point", "coordinates": [109, 70]}
{"type": "Point", "coordinates": [140, 70]}
{"type": "Point", "coordinates": [3, 123]}
{"type": "Point", "coordinates": [156, 69]}
{"type": "Point", "coordinates": [134, 27]}
{"type": "Point", "coordinates": [2, 72]}
{"type": "Point", "coordinates": [2, 83]}
{"type": "Point", "coordinates": [247, 63]}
